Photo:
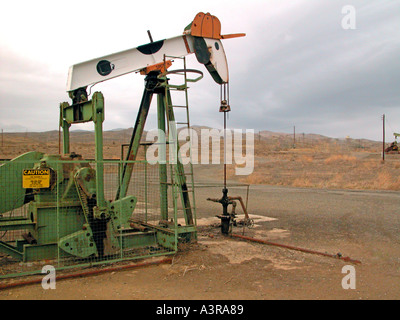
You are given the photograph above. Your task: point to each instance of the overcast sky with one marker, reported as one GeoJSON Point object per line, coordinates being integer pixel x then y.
{"type": "Point", "coordinates": [297, 66]}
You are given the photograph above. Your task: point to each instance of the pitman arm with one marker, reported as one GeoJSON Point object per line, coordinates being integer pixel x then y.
{"type": "Point", "coordinates": [201, 37]}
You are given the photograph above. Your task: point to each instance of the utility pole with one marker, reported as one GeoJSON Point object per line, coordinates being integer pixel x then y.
{"type": "Point", "coordinates": [294, 137]}
{"type": "Point", "coordinates": [383, 144]}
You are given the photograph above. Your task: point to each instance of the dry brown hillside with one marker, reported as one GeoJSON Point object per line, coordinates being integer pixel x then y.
{"type": "Point", "coordinates": [309, 161]}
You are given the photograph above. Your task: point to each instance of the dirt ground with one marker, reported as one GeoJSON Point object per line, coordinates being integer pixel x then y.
{"type": "Point", "coordinates": [363, 225]}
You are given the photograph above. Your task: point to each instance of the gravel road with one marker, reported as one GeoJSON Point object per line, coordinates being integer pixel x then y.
{"type": "Point", "coordinates": [363, 225]}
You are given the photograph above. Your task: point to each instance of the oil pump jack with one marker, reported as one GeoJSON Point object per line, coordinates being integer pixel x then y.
{"type": "Point", "coordinates": [68, 213]}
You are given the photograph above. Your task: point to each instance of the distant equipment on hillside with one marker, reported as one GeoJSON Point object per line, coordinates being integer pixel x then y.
{"type": "Point", "coordinates": [393, 148]}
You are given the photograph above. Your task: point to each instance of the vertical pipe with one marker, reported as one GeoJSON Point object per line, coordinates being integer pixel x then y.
{"type": "Point", "coordinates": [145, 184]}
{"type": "Point", "coordinates": [59, 139]}
{"type": "Point", "coordinates": [65, 138]}
{"type": "Point", "coordinates": [98, 118]}
{"type": "Point", "coordinates": [162, 156]}
{"type": "Point", "coordinates": [224, 150]}
{"type": "Point", "coordinates": [383, 144]}
{"type": "Point", "coordinates": [65, 128]}
{"type": "Point", "coordinates": [224, 98]}
{"type": "Point", "coordinates": [58, 193]}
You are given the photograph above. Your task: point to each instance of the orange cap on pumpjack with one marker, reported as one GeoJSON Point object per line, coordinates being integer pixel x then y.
{"type": "Point", "coordinates": [206, 25]}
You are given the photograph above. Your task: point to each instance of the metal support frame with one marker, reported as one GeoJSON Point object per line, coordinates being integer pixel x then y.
{"type": "Point", "coordinates": [158, 84]}
{"type": "Point", "coordinates": [64, 209]}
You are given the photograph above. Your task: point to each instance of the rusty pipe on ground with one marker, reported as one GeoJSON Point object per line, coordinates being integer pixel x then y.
{"type": "Point", "coordinates": [85, 274]}
{"type": "Point", "coordinates": [336, 256]}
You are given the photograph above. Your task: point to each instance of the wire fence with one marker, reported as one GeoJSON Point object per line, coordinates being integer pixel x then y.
{"type": "Point", "coordinates": [63, 213]}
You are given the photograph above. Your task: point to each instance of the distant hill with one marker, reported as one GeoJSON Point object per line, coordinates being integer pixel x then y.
{"type": "Point", "coordinates": [82, 142]}
{"type": "Point", "coordinates": [119, 134]}
{"type": "Point", "coordinates": [265, 134]}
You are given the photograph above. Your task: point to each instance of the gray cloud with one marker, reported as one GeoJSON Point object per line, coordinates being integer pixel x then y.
{"type": "Point", "coordinates": [296, 66]}
{"type": "Point", "coordinates": [30, 94]}
{"type": "Point", "coordinates": [314, 74]}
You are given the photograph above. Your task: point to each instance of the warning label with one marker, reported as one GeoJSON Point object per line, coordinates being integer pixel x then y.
{"type": "Point", "coordinates": [36, 178]}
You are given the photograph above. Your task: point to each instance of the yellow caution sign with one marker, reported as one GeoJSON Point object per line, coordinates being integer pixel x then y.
{"type": "Point", "coordinates": [36, 178]}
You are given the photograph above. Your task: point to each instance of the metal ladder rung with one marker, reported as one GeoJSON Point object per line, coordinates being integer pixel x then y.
{"type": "Point", "coordinates": [177, 88]}
{"type": "Point", "coordinates": [191, 208]}
{"type": "Point", "coordinates": [187, 191]}
{"type": "Point", "coordinates": [176, 106]}
{"type": "Point", "coordinates": [174, 184]}
{"type": "Point", "coordinates": [185, 174]}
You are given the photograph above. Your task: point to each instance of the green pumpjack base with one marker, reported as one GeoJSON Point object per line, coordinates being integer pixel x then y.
{"type": "Point", "coordinates": [164, 237]}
